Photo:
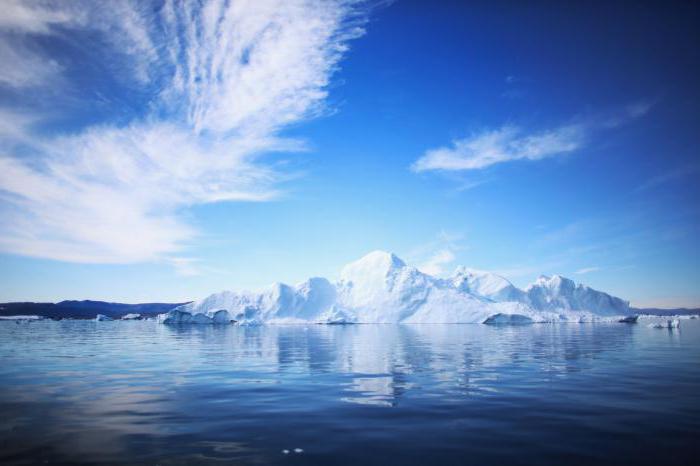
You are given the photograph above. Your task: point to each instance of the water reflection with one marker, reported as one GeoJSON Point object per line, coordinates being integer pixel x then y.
{"type": "Point", "coordinates": [386, 361]}
{"type": "Point", "coordinates": [104, 390]}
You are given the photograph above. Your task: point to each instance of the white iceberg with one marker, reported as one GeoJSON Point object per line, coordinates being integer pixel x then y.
{"type": "Point", "coordinates": [508, 319]}
{"type": "Point", "coordinates": [488, 285]}
{"type": "Point", "coordinates": [177, 316]}
{"type": "Point", "coordinates": [558, 293]}
{"type": "Point", "coordinates": [132, 316]}
{"type": "Point", "coordinates": [669, 324]}
{"type": "Point", "coordinates": [102, 318]}
{"type": "Point", "coordinates": [381, 288]}
{"type": "Point", "coordinates": [22, 317]}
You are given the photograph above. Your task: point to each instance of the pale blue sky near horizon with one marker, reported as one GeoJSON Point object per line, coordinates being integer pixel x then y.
{"type": "Point", "coordinates": [168, 152]}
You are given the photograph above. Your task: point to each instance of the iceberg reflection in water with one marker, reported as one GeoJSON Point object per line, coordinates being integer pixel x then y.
{"type": "Point", "coordinates": [137, 391]}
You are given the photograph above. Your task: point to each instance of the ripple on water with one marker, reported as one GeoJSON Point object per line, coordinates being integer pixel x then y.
{"type": "Point", "coordinates": [139, 392]}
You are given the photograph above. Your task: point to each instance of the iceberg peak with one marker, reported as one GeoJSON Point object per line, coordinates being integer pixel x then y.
{"type": "Point", "coordinates": [487, 285]}
{"type": "Point", "coordinates": [375, 264]}
{"type": "Point", "coordinates": [381, 259]}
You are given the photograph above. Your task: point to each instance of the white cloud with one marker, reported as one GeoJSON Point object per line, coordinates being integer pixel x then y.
{"type": "Point", "coordinates": [502, 145]}
{"type": "Point", "coordinates": [230, 77]}
{"type": "Point", "coordinates": [33, 16]}
{"type": "Point", "coordinates": [509, 143]}
{"type": "Point", "coordinates": [435, 256]}
{"type": "Point", "coordinates": [436, 264]}
{"type": "Point", "coordinates": [587, 270]}
{"type": "Point", "coordinates": [629, 112]}
{"type": "Point", "coordinates": [669, 176]}
{"type": "Point", "coordinates": [24, 68]}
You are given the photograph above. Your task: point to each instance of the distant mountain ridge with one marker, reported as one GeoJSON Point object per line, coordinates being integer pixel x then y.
{"type": "Point", "coordinates": [655, 311]}
{"type": "Point", "coordinates": [86, 309]}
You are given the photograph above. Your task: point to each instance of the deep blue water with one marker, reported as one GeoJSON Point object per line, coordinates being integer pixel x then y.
{"type": "Point", "coordinates": [140, 392]}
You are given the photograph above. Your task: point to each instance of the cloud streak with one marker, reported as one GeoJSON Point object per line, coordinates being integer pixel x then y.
{"type": "Point", "coordinates": [436, 256]}
{"type": "Point", "coordinates": [669, 176]}
{"type": "Point", "coordinates": [227, 78]}
{"type": "Point", "coordinates": [505, 144]}
{"type": "Point", "coordinates": [512, 143]}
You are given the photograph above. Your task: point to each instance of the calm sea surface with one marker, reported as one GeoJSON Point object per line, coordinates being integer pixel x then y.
{"type": "Point", "coordinates": [140, 392]}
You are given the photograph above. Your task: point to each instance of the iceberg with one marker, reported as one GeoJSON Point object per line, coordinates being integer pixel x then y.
{"type": "Point", "coordinates": [669, 324]}
{"type": "Point", "coordinates": [382, 288]}
{"type": "Point", "coordinates": [508, 319]}
{"type": "Point", "coordinates": [132, 316]}
{"type": "Point", "coordinates": [102, 318]}
{"type": "Point", "coordinates": [560, 293]}
{"type": "Point", "coordinates": [22, 317]}
{"type": "Point", "coordinates": [488, 285]}
{"type": "Point", "coordinates": [178, 316]}
{"type": "Point", "coordinates": [629, 320]}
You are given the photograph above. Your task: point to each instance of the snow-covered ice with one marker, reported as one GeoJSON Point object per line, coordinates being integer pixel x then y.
{"type": "Point", "coordinates": [132, 316]}
{"type": "Point", "coordinates": [178, 316]}
{"type": "Point", "coordinates": [102, 318]}
{"type": "Point", "coordinates": [381, 288]}
{"type": "Point", "coordinates": [22, 317]}
{"type": "Point", "coordinates": [508, 319]}
{"type": "Point", "coordinates": [669, 323]}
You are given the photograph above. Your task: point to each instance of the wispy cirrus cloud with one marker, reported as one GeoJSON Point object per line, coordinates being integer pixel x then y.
{"type": "Point", "coordinates": [221, 79]}
{"type": "Point", "coordinates": [586, 270]}
{"type": "Point", "coordinates": [437, 263]}
{"type": "Point", "coordinates": [501, 145]}
{"type": "Point", "coordinates": [436, 256]}
{"type": "Point", "coordinates": [669, 176]}
{"type": "Point", "coordinates": [512, 143]}
{"type": "Point", "coordinates": [27, 16]}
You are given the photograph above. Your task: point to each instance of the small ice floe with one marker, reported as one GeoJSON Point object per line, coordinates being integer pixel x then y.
{"type": "Point", "coordinates": [21, 318]}
{"type": "Point", "coordinates": [177, 316]}
{"type": "Point", "coordinates": [102, 318]}
{"type": "Point", "coordinates": [508, 319]}
{"type": "Point", "coordinates": [296, 450]}
{"type": "Point", "coordinates": [629, 320]}
{"type": "Point", "coordinates": [132, 316]}
{"type": "Point", "coordinates": [670, 324]}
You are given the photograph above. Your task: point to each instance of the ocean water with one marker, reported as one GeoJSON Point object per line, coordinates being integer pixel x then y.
{"type": "Point", "coordinates": [77, 392]}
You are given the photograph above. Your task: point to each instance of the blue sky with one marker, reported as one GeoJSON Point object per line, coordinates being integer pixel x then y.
{"type": "Point", "coordinates": [165, 151]}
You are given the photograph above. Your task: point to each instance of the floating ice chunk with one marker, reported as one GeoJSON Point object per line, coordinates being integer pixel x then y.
{"type": "Point", "coordinates": [221, 317]}
{"type": "Point", "coordinates": [298, 450]}
{"type": "Point", "coordinates": [629, 320]}
{"type": "Point", "coordinates": [285, 452]}
{"type": "Point", "coordinates": [21, 318]}
{"type": "Point", "coordinates": [177, 316]}
{"type": "Point", "coordinates": [132, 317]}
{"type": "Point", "coordinates": [338, 316]}
{"type": "Point", "coordinates": [670, 324]}
{"type": "Point", "coordinates": [102, 318]}
{"type": "Point", "coordinates": [508, 319]}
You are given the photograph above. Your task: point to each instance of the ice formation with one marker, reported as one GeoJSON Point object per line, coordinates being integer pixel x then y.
{"type": "Point", "coordinates": [179, 316]}
{"type": "Point", "coordinates": [381, 288]}
{"type": "Point", "coordinates": [669, 324]}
